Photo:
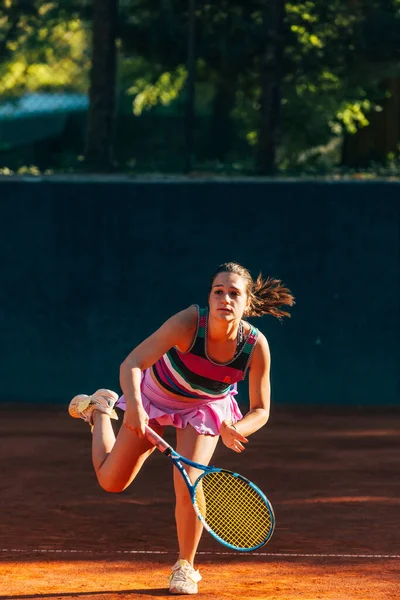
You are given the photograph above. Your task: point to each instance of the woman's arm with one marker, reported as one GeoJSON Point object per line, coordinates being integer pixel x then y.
{"type": "Point", "coordinates": [259, 392]}
{"type": "Point", "coordinates": [179, 331]}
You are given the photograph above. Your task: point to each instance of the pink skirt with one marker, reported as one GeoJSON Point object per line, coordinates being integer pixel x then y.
{"type": "Point", "coordinates": [205, 416]}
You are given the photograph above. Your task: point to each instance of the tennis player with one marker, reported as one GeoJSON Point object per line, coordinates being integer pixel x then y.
{"type": "Point", "coordinates": [185, 375]}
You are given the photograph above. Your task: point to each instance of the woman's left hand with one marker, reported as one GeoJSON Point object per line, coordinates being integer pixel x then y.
{"type": "Point", "coordinates": [231, 437]}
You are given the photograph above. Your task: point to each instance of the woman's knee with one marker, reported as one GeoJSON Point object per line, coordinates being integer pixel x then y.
{"type": "Point", "coordinates": [110, 483]}
{"type": "Point", "coordinates": [181, 491]}
{"type": "Point", "coordinates": [111, 486]}
{"type": "Point", "coordinates": [116, 476]}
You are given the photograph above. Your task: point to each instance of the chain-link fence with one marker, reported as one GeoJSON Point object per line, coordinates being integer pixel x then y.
{"type": "Point", "coordinates": [195, 83]}
{"type": "Point", "coordinates": [45, 75]}
{"type": "Point", "coordinates": [44, 80]}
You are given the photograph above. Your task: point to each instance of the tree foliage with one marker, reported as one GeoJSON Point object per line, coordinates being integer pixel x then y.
{"type": "Point", "coordinates": [335, 57]}
{"type": "Point", "coordinates": [43, 47]}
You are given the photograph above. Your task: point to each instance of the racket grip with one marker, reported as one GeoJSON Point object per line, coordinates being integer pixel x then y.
{"type": "Point", "coordinates": [156, 440]}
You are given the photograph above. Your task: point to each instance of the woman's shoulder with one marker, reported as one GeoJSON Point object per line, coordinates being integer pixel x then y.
{"type": "Point", "coordinates": [187, 323]}
{"type": "Point", "coordinates": [250, 328]}
{"type": "Point", "coordinates": [189, 314]}
{"type": "Point", "coordinates": [261, 350]}
{"type": "Point", "coordinates": [261, 340]}
{"type": "Point", "coordinates": [186, 318]}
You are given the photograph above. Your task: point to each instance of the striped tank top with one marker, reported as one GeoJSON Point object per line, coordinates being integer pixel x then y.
{"type": "Point", "coordinates": [193, 374]}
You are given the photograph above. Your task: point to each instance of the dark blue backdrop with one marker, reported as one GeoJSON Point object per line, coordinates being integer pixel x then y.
{"type": "Point", "coordinates": [89, 269]}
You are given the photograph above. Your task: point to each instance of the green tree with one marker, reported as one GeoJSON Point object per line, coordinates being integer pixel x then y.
{"type": "Point", "coordinates": [42, 47]}
{"type": "Point", "coordinates": [273, 91]}
{"type": "Point", "coordinates": [102, 92]}
{"type": "Point", "coordinates": [337, 55]}
{"type": "Point", "coordinates": [271, 76]}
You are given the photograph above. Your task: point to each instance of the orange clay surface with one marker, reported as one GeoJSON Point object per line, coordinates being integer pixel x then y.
{"type": "Point", "coordinates": [332, 475]}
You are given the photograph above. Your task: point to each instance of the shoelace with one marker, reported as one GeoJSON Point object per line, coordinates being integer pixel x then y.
{"type": "Point", "coordinates": [183, 573]}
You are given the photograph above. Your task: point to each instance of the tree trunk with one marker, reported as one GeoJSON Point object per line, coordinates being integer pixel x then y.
{"type": "Point", "coordinates": [102, 93]}
{"type": "Point", "coordinates": [271, 82]}
{"type": "Point", "coordinates": [190, 88]}
{"type": "Point", "coordinates": [224, 102]}
{"type": "Point", "coordinates": [374, 142]}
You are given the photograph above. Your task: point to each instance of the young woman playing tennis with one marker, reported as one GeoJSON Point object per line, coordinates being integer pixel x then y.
{"type": "Point", "coordinates": [184, 375]}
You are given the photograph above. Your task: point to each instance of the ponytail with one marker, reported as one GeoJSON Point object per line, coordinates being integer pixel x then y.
{"type": "Point", "coordinates": [266, 298]}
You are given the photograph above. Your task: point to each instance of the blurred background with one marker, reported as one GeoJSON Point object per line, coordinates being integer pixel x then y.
{"type": "Point", "coordinates": [238, 86]}
{"type": "Point", "coordinates": [143, 143]}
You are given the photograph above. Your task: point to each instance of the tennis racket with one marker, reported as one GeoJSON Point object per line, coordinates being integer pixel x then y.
{"type": "Point", "coordinates": [231, 508]}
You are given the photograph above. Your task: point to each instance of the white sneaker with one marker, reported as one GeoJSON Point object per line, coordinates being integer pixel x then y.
{"type": "Point", "coordinates": [83, 406]}
{"type": "Point", "coordinates": [184, 578]}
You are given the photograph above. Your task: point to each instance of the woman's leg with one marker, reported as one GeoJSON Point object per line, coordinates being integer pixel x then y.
{"type": "Point", "coordinates": [198, 448]}
{"type": "Point", "coordinates": [117, 459]}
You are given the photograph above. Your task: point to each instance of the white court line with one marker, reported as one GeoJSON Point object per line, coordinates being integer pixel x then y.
{"type": "Point", "coordinates": [154, 552]}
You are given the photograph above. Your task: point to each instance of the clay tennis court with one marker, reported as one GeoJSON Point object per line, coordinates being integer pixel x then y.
{"type": "Point", "coordinates": [332, 476]}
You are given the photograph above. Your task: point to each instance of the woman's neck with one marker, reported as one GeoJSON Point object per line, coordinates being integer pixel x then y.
{"type": "Point", "coordinates": [222, 330]}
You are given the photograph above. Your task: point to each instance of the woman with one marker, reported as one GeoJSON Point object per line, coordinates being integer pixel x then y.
{"type": "Point", "coordinates": [185, 375]}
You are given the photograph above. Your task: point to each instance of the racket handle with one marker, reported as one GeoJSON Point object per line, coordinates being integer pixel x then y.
{"type": "Point", "coordinates": [156, 440]}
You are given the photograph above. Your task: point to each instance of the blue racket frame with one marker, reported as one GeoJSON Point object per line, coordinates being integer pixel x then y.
{"type": "Point", "coordinates": [177, 460]}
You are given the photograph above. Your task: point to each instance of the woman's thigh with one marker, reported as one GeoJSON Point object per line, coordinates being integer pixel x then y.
{"type": "Point", "coordinates": [196, 447]}
{"type": "Point", "coordinates": [125, 460]}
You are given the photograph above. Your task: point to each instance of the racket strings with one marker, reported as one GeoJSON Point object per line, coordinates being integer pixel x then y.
{"type": "Point", "coordinates": [233, 509]}
{"type": "Point", "coordinates": [235, 512]}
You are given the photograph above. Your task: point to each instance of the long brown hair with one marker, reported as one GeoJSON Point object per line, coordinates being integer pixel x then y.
{"type": "Point", "coordinates": [265, 296]}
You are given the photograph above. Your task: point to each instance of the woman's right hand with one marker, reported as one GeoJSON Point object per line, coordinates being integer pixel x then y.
{"type": "Point", "coordinates": [135, 419]}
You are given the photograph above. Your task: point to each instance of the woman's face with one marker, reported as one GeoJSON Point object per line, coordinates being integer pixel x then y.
{"type": "Point", "coordinates": [228, 297]}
